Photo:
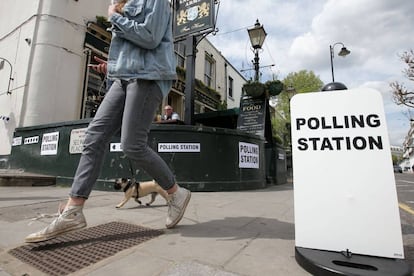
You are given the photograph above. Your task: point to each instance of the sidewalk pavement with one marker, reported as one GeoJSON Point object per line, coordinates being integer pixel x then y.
{"type": "Point", "coordinates": [222, 233]}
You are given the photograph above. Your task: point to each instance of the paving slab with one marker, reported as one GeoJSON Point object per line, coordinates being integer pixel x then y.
{"type": "Point", "coordinates": [222, 233]}
{"type": "Point", "coordinates": [244, 233]}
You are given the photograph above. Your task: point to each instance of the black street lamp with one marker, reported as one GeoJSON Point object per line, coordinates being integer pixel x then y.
{"type": "Point", "coordinates": [257, 36]}
{"type": "Point", "coordinates": [2, 60]}
{"type": "Point", "coordinates": [344, 52]}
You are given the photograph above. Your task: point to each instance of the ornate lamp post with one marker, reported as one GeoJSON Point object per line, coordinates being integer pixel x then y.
{"type": "Point", "coordinates": [257, 36]}
{"type": "Point", "coordinates": [2, 60]}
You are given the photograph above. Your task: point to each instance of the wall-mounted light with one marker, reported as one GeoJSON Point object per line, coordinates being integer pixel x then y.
{"type": "Point", "coordinates": [2, 60]}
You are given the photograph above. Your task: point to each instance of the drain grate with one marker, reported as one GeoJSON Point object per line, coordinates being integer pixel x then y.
{"type": "Point", "coordinates": [76, 250]}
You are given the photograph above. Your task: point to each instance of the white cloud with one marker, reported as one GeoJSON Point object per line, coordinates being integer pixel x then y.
{"type": "Point", "coordinates": [300, 32]}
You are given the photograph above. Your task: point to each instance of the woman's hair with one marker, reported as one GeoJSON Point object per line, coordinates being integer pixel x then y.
{"type": "Point", "coordinates": [120, 5]}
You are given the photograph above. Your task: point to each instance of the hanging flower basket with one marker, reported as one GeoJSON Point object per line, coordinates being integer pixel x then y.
{"type": "Point", "coordinates": [254, 89]}
{"type": "Point", "coordinates": [274, 88]}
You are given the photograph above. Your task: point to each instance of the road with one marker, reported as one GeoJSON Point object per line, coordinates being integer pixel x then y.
{"type": "Point", "coordinates": [405, 191]}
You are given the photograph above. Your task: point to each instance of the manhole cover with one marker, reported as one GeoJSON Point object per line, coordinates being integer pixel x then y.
{"type": "Point", "coordinates": [76, 250]}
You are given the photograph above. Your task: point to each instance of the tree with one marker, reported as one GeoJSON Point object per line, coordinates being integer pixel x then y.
{"type": "Point", "coordinates": [296, 82]}
{"type": "Point", "coordinates": [396, 160]}
{"type": "Point", "coordinates": [401, 95]}
{"type": "Point", "coordinates": [303, 81]}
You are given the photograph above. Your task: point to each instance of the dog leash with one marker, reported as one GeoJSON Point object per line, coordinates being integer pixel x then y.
{"type": "Point", "coordinates": [131, 170]}
{"type": "Point", "coordinates": [133, 180]}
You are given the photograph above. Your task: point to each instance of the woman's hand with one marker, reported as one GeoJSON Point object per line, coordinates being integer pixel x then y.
{"type": "Point", "coordinates": [101, 67]}
{"type": "Point", "coordinates": [112, 9]}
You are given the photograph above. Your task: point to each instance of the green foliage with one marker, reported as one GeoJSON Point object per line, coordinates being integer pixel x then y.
{"type": "Point", "coordinates": [274, 87]}
{"type": "Point", "coordinates": [253, 89]}
{"type": "Point", "coordinates": [296, 82]}
{"type": "Point", "coordinates": [256, 89]}
{"type": "Point", "coordinates": [207, 89]}
{"type": "Point", "coordinates": [279, 131]}
{"type": "Point", "coordinates": [103, 22]}
{"type": "Point", "coordinates": [222, 105]}
{"type": "Point", "coordinates": [180, 72]}
{"type": "Point", "coordinates": [303, 81]}
{"type": "Point", "coordinates": [396, 160]}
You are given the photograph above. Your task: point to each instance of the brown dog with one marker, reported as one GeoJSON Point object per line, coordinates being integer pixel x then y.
{"type": "Point", "coordinates": [133, 189]}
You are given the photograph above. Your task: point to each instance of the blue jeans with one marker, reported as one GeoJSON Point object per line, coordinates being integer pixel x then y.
{"type": "Point", "coordinates": [129, 106]}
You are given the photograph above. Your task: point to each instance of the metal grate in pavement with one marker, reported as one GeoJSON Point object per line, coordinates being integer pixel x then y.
{"type": "Point", "coordinates": [76, 250]}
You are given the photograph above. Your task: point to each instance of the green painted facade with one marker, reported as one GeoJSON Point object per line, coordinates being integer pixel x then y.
{"type": "Point", "coordinates": [202, 158]}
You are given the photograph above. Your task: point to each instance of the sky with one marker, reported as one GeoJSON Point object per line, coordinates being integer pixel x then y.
{"type": "Point", "coordinates": [299, 33]}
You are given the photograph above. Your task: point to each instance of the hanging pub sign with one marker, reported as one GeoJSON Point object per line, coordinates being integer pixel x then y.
{"type": "Point", "coordinates": [192, 16]}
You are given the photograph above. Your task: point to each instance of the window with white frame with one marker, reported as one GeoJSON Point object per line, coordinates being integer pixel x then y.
{"type": "Point", "coordinates": [209, 70]}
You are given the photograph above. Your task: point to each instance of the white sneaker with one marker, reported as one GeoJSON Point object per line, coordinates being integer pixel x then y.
{"type": "Point", "coordinates": [176, 206]}
{"type": "Point", "coordinates": [69, 220]}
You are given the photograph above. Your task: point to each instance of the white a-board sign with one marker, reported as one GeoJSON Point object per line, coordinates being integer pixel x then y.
{"type": "Point", "coordinates": [344, 188]}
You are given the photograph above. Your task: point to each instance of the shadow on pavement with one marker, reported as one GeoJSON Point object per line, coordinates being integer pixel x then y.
{"type": "Point", "coordinates": [235, 228]}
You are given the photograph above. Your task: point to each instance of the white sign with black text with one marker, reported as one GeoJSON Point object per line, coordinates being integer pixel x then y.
{"type": "Point", "coordinates": [249, 156]}
{"type": "Point", "coordinates": [115, 147]}
{"type": "Point", "coordinates": [179, 147]}
{"type": "Point", "coordinates": [17, 141]}
{"type": "Point", "coordinates": [77, 138]}
{"type": "Point", "coordinates": [50, 143]}
{"type": "Point", "coordinates": [31, 140]}
{"type": "Point", "coordinates": [344, 186]}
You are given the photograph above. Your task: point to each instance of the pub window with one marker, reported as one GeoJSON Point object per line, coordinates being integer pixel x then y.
{"type": "Point", "coordinates": [95, 88]}
{"type": "Point", "coordinates": [230, 87]}
{"type": "Point", "coordinates": [209, 70]}
{"type": "Point", "coordinates": [197, 108]}
{"type": "Point", "coordinates": [96, 44]}
{"type": "Point", "coordinates": [179, 49]}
